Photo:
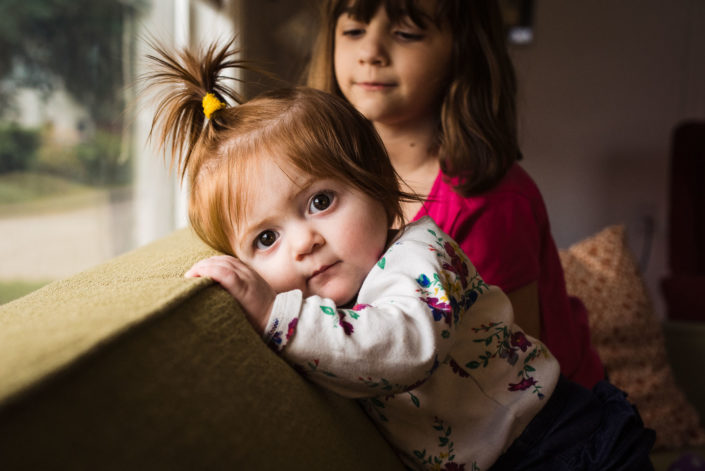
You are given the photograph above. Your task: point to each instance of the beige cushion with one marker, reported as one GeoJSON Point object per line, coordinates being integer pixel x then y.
{"type": "Point", "coordinates": [602, 272]}
{"type": "Point", "coordinates": [131, 366]}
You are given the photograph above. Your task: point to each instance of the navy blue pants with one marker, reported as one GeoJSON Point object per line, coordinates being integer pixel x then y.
{"type": "Point", "coordinates": [579, 429]}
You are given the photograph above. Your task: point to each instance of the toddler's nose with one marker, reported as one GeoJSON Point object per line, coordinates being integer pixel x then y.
{"type": "Point", "coordinates": [305, 242]}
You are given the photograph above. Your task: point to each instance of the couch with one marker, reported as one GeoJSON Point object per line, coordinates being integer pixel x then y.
{"type": "Point", "coordinates": [130, 366]}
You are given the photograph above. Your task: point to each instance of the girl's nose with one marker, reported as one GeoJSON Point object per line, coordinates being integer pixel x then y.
{"type": "Point", "coordinates": [372, 50]}
{"type": "Point", "coordinates": [305, 242]}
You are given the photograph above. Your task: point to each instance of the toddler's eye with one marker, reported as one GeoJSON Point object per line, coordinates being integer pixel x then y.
{"type": "Point", "coordinates": [320, 202]}
{"type": "Point", "coordinates": [265, 239]}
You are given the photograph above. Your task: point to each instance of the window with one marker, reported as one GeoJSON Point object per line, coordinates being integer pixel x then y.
{"type": "Point", "coordinates": [78, 182]}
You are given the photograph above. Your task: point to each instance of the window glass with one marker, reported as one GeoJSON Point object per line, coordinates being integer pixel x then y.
{"type": "Point", "coordinates": [66, 163]}
{"type": "Point", "coordinates": [79, 182]}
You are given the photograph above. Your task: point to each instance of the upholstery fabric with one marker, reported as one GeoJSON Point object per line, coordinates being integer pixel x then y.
{"type": "Point", "coordinates": [601, 271]}
{"type": "Point", "coordinates": [131, 366]}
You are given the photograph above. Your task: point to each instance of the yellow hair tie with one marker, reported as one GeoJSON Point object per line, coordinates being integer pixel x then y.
{"type": "Point", "coordinates": [211, 104]}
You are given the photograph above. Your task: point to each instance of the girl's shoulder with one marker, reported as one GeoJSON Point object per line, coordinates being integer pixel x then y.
{"type": "Point", "coordinates": [484, 216]}
{"type": "Point", "coordinates": [516, 182]}
{"type": "Point", "coordinates": [517, 179]}
{"type": "Point", "coordinates": [516, 186]}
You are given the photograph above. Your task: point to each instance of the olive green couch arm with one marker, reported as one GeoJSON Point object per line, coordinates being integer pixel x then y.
{"type": "Point", "coordinates": [130, 366]}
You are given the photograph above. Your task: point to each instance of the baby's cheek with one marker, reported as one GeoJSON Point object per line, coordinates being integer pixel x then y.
{"type": "Point", "coordinates": [282, 281]}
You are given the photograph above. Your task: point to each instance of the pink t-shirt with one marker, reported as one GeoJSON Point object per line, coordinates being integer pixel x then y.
{"type": "Point", "coordinates": [506, 234]}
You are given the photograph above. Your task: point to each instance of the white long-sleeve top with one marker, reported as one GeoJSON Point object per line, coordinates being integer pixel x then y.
{"type": "Point", "coordinates": [429, 349]}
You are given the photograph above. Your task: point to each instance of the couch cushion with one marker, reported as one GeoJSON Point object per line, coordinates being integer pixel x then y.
{"type": "Point", "coordinates": [602, 272]}
{"type": "Point", "coordinates": [131, 366]}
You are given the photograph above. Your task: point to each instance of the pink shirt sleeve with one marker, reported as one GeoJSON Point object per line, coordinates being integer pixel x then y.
{"type": "Point", "coordinates": [502, 238]}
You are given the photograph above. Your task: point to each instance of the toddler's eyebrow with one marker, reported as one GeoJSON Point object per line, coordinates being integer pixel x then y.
{"type": "Point", "coordinates": [303, 183]}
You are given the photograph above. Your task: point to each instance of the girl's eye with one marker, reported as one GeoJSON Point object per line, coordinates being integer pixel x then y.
{"type": "Point", "coordinates": [266, 239]}
{"type": "Point", "coordinates": [320, 202]}
{"type": "Point", "coordinates": [350, 26]}
{"type": "Point", "coordinates": [409, 37]}
{"type": "Point", "coordinates": [353, 32]}
{"type": "Point", "coordinates": [406, 30]}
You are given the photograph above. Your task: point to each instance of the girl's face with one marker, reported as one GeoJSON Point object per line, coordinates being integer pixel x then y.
{"type": "Point", "coordinates": [392, 72]}
{"type": "Point", "coordinates": [321, 236]}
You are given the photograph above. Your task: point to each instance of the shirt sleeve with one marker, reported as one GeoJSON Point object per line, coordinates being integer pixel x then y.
{"type": "Point", "coordinates": [502, 238]}
{"type": "Point", "coordinates": [402, 326]}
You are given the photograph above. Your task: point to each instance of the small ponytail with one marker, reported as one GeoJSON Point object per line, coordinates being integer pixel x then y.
{"type": "Point", "coordinates": [219, 147]}
{"type": "Point", "coordinates": [211, 104]}
{"type": "Point", "coordinates": [192, 89]}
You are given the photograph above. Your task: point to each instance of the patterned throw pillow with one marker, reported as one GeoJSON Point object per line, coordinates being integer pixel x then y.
{"type": "Point", "coordinates": [602, 272]}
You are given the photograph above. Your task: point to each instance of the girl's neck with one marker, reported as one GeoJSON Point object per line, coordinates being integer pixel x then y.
{"type": "Point", "coordinates": [410, 150]}
{"type": "Point", "coordinates": [408, 145]}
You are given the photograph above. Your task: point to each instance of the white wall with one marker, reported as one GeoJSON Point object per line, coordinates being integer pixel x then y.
{"type": "Point", "coordinates": [601, 88]}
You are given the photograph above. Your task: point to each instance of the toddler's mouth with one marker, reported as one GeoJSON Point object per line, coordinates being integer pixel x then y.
{"type": "Point", "coordinates": [320, 271]}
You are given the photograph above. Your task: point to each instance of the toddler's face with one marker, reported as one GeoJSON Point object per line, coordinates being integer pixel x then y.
{"type": "Point", "coordinates": [321, 236]}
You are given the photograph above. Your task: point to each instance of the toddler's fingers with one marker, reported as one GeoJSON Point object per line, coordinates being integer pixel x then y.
{"type": "Point", "coordinates": [200, 268]}
{"type": "Point", "coordinates": [192, 273]}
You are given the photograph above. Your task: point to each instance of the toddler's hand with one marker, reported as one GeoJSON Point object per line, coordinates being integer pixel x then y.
{"type": "Point", "coordinates": [242, 282]}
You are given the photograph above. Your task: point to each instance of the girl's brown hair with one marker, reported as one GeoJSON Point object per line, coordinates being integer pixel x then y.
{"type": "Point", "coordinates": [477, 130]}
{"type": "Point", "coordinates": [318, 133]}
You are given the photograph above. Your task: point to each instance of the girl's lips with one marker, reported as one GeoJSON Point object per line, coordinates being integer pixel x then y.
{"type": "Point", "coordinates": [374, 85]}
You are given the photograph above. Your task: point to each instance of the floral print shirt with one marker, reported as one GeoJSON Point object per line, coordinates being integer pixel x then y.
{"type": "Point", "coordinates": [429, 349]}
